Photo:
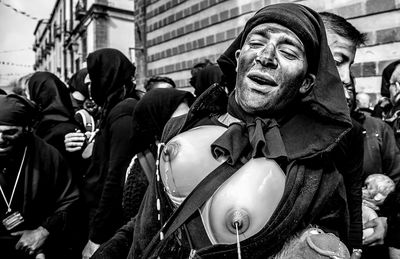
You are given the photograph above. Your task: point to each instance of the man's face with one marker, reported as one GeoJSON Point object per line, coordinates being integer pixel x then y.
{"type": "Point", "coordinates": [10, 136]}
{"type": "Point", "coordinates": [343, 51]}
{"type": "Point", "coordinates": [271, 68]}
{"type": "Point", "coordinates": [394, 87]}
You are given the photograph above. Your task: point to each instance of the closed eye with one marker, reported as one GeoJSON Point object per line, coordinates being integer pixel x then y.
{"type": "Point", "coordinates": [255, 44]}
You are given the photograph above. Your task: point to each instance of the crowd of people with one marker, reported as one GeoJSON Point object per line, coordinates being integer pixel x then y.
{"type": "Point", "coordinates": [275, 155]}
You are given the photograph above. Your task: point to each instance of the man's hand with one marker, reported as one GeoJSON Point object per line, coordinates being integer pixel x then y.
{"type": "Point", "coordinates": [74, 141]}
{"type": "Point", "coordinates": [89, 249]}
{"type": "Point", "coordinates": [31, 240]}
{"type": "Point", "coordinates": [380, 227]}
{"type": "Point", "coordinates": [355, 255]}
{"type": "Point", "coordinates": [394, 253]}
{"type": "Point", "coordinates": [370, 203]}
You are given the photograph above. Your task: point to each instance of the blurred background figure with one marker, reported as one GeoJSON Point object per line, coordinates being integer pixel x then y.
{"type": "Point", "coordinates": [87, 114]}
{"type": "Point", "coordinates": [204, 74]}
{"type": "Point", "coordinates": [382, 108]}
{"type": "Point", "coordinates": [206, 77]}
{"type": "Point", "coordinates": [159, 82]}
{"type": "Point", "coordinates": [363, 101]}
{"type": "Point", "coordinates": [151, 114]}
{"type": "Point", "coordinates": [2, 92]}
{"type": "Point", "coordinates": [21, 86]}
{"type": "Point", "coordinates": [195, 70]}
{"type": "Point", "coordinates": [391, 85]}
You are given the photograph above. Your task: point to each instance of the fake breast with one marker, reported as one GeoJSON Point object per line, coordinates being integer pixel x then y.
{"type": "Point", "coordinates": [186, 159]}
{"type": "Point", "coordinates": [242, 205]}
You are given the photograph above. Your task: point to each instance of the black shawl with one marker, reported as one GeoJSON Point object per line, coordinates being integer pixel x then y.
{"type": "Point", "coordinates": [206, 77]}
{"type": "Point", "coordinates": [77, 83]}
{"type": "Point", "coordinates": [109, 71]}
{"type": "Point", "coordinates": [52, 96]}
{"type": "Point", "coordinates": [152, 113]}
{"type": "Point", "coordinates": [57, 114]}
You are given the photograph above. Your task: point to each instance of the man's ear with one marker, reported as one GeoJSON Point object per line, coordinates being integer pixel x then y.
{"type": "Point", "coordinates": [237, 54]}
{"type": "Point", "coordinates": [308, 84]}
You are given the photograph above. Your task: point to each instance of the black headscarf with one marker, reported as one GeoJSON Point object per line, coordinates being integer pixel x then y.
{"type": "Point", "coordinates": [386, 75]}
{"type": "Point", "coordinates": [52, 97]}
{"type": "Point", "coordinates": [206, 77]}
{"type": "Point", "coordinates": [16, 110]}
{"type": "Point", "coordinates": [77, 83]}
{"type": "Point", "coordinates": [327, 112]}
{"type": "Point", "coordinates": [110, 73]}
{"type": "Point", "coordinates": [152, 113]}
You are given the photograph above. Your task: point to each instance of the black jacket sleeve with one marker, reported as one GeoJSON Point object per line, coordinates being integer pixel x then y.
{"type": "Point", "coordinates": [108, 216]}
{"type": "Point", "coordinates": [349, 156]}
{"type": "Point", "coordinates": [117, 246]}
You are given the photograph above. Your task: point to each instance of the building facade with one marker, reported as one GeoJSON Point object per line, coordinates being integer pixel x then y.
{"type": "Point", "coordinates": [177, 34]}
{"type": "Point", "coordinates": [76, 28]}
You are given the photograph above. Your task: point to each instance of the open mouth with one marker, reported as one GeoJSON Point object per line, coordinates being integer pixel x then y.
{"type": "Point", "coordinates": [261, 79]}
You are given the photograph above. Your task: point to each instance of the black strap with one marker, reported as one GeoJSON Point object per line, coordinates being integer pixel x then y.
{"type": "Point", "coordinates": [203, 191]}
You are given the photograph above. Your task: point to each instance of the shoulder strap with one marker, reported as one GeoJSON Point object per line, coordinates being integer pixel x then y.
{"type": "Point", "coordinates": [148, 163]}
{"type": "Point", "coordinates": [203, 191]}
{"type": "Point", "coordinates": [87, 120]}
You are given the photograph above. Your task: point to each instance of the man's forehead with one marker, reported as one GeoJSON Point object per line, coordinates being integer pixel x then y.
{"type": "Point", "coordinates": [265, 29]}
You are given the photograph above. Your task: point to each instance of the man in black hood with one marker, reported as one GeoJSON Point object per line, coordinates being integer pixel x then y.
{"type": "Point", "coordinates": [38, 194]}
{"type": "Point", "coordinates": [111, 75]}
{"type": "Point", "coordinates": [288, 108]}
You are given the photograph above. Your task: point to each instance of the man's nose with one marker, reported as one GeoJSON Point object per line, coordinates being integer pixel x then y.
{"type": "Point", "coordinates": [267, 56]}
{"type": "Point", "coordinates": [346, 92]}
{"type": "Point", "coordinates": [344, 73]}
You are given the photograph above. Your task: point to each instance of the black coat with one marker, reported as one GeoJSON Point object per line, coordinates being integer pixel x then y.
{"type": "Point", "coordinates": [112, 152]}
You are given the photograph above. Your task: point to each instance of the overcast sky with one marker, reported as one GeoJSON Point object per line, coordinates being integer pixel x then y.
{"type": "Point", "coordinates": [16, 32]}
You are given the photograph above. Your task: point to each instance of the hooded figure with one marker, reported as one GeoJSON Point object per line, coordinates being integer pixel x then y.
{"type": "Point", "coordinates": [110, 74]}
{"type": "Point", "coordinates": [57, 113]}
{"type": "Point", "coordinates": [206, 77]}
{"type": "Point", "coordinates": [44, 197]}
{"type": "Point", "coordinates": [77, 83]}
{"type": "Point", "coordinates": [296, 138]}
{"type": "Point", "coordinates": [151, 114]}
{"type": "Point", "coordinates": [386, 75]}
{"type": "Point", "coordinates": [52, 96]}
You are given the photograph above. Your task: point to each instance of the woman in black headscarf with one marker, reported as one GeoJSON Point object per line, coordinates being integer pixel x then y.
{"type": "Point", "coordinates": [57, 114]}
{"type": "Point", "coordinates": [151, 114]}
{"type": "Point", "coordinates": [209, 75]}
{"type": "Point", "coordinates": [111, 75]}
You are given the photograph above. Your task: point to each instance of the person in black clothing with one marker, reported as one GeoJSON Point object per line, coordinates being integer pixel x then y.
{"type": "Point", "coordinates": [39, 197]}
{"type": "Point", "coordinates": [57, 115]}
{"type": "Point", "coordinates": [343, 40]}
{"type": "Point", "coordinates": [151, 114]}
{"type": "Point", "coordinates": [391, 88]}
{"type": "Point", "coordinates": [209, 75]}
{"type": "Point", "coordinates": [155, 82]}
{"type": "Point", "coordinates": [279, 61]}
{"type": "Point", "coordinates": [111, 75]}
